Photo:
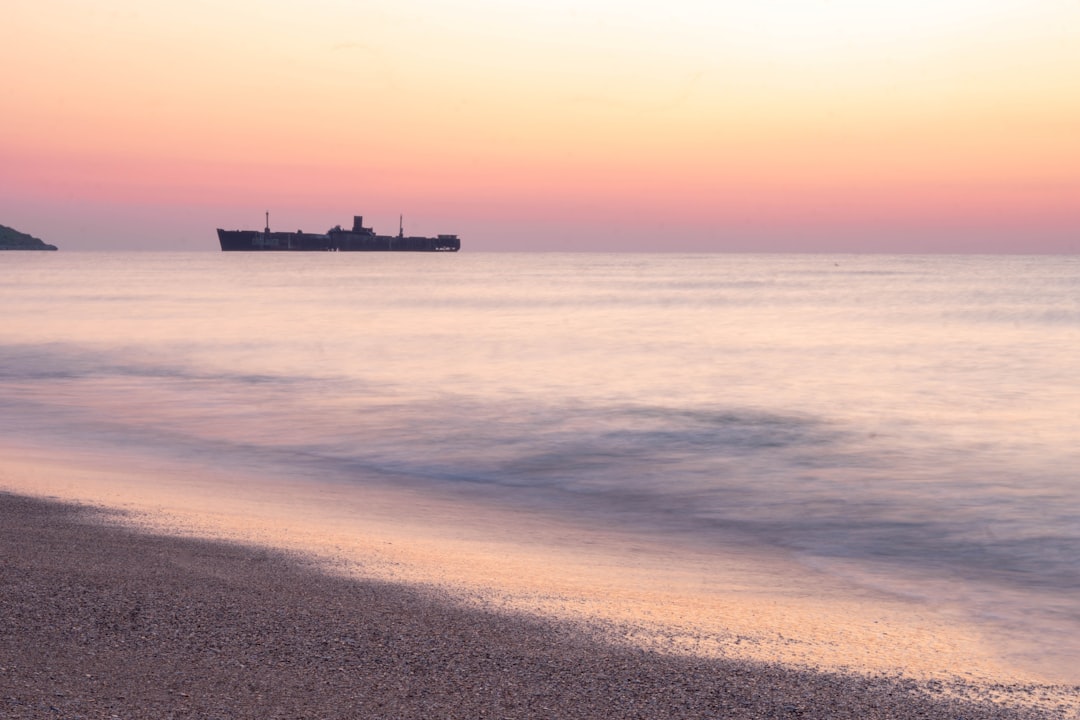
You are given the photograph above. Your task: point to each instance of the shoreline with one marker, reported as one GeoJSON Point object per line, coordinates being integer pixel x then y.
{"type": "Point", "coordinates": [676, 598]}
{"type": "Point", "coordinates": [103, 620]}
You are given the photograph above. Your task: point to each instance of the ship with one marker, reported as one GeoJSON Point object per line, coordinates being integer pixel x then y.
{"type": "Point", "coordinates": [336, 239]}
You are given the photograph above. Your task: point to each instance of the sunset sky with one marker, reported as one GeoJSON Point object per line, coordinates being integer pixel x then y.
{"type": "Point", "coordinates": [682, 125]}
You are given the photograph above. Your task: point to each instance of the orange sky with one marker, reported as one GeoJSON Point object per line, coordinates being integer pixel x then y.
{"type": "Point", "coordinates": [950, 125]}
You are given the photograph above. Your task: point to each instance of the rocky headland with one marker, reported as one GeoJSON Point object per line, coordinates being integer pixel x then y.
{"type": "Point", "coordinates": [11, 239]}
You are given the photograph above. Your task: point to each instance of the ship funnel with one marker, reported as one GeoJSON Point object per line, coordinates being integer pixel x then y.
{"type": "Point", "coordinates": [358, 223]}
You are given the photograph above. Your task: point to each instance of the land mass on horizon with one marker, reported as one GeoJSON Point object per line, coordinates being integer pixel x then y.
{"type": "Point", "coordinates": [12, 239]}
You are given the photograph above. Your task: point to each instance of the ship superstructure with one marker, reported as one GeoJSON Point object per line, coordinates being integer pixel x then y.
{"type": "Point", "coordinates": [336, 239]}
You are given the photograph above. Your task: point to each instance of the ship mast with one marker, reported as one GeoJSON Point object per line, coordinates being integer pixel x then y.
{"type": "Point", "coordinates": [401, 226]}
{"type": "Point", "coordinates": [267, 222]}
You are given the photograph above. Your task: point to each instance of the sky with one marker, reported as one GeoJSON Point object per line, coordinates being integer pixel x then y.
{"type": "Point", "coordinates": [637, 125]}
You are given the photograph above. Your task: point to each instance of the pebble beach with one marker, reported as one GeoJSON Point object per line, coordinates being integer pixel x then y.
{"type": "Point", "coordinates": [104, 621]}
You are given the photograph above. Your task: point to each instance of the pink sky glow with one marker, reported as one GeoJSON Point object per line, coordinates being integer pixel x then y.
{"type": "Point", "coordinates": [843, 126]}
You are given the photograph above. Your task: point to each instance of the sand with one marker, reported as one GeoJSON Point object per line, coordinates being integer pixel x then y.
{"type": "Point", "coordinates": [104, 621]}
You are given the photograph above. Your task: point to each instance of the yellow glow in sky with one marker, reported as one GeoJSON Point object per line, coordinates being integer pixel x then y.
{"type": "Point", "coordinates": [694, 109]}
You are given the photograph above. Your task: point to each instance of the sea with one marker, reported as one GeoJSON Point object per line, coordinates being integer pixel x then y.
{"type": "Point", "coordinates": [909, 424]}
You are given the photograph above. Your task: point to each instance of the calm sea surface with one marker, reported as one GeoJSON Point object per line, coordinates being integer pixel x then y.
{"type": "Point", "coordinates": [911, 423]}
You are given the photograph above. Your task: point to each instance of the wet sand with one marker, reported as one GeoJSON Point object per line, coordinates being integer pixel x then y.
{"type": "Point", "coordinates": [102, 621]}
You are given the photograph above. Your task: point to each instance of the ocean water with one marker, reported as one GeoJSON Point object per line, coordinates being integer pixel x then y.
{"type": "Point", "coordinates": [908, 423]}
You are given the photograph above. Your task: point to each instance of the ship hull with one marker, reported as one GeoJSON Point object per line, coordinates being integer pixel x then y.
{"type": "Point", "coordinates": [346, 241]}
{"type": "Point", "coordinates": [255, 241]}
{"type": "Point", "coordinates": [333, 241]}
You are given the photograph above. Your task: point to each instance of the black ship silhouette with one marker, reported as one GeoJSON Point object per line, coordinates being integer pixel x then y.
{"type": "Point", "coordinates": [358, 239]}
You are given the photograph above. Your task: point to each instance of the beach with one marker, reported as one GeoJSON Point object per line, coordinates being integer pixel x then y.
{"type": "Point", "coordinates": [106, 621]}
{"type": "Point", "coordinates": [577, 474]}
